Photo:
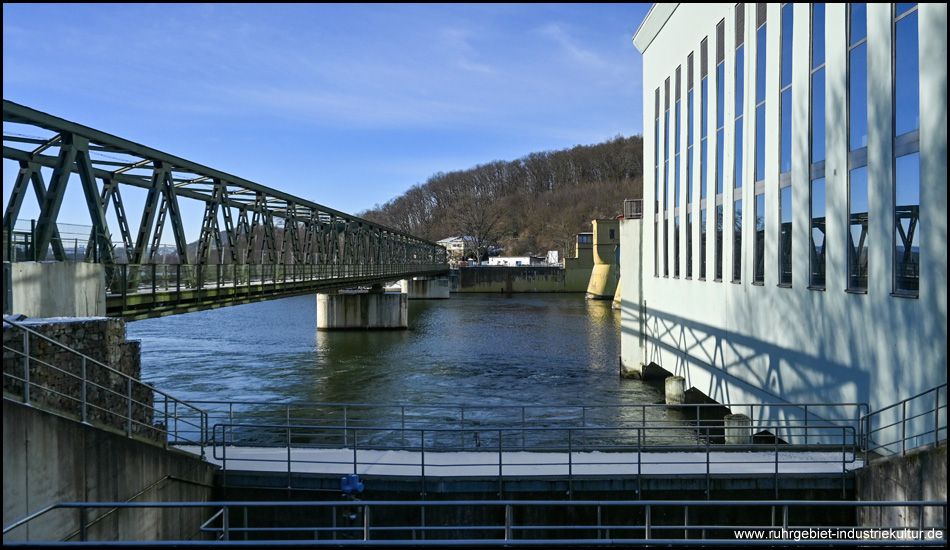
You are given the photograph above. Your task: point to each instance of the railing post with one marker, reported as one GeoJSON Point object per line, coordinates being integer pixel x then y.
{"type": "Point", "coordinates": [205, 421]}
{"type": "Point", "coordinates": [646, 523]}
{"type": "Point", "coordinates": [507, 522]}
{"type": "Point", "coordinates": [422, 459]}
{"type": "Point", "coordinates": [775, 450]}
{"type": "Point", "coordinates": [82, 366]}
{"type": "Point", "coordinates": [355, 459]}
{"type": "Point", "coordinates": [903, 427]}
{"type": "Point", "coordinates": [289, 484]}
{"type": "Point", "coordinates": [168, 425]}
{"type": "Point", "coordinates": [708, 482]}
{"type": "Point", "coordinates": [501, 461]}
{"type": "Point", "coordinates": [365, 522]}
{"type": "Point", "coordinates": [936, 415]}
{"type": "Point", "coordinates": [125, 285]}
{"type": "Point", "coordinates": [26, 367]}
{"type": "Point", "coordinates": [225, 518]}
{"type": "Point", "coordinates": [570, 464]}
{"type": "Point", "coordinates": [806, 425]}
{"type": "Point", "coordinates": [128, 419]}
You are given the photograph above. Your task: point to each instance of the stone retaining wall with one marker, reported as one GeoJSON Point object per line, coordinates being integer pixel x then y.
{"type": "Point", "coordinates": [55, 373]}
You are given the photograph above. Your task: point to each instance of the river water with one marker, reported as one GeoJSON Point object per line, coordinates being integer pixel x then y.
{"type": "Point", "coordinates": [473, 349]}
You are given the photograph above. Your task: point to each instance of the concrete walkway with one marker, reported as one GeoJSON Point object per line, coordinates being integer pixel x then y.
{"type": "Point", "coordinates": [520, 464]}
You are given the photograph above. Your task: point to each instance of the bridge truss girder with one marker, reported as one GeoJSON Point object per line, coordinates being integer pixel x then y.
{"type": "Point", "coordinates": [271, 227]}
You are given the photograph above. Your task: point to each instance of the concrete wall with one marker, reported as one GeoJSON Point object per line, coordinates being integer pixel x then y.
{"type": "Point", "coordinates": [516, 279]}
{"type": "Point", "coordinates": [58, 289]}
{"type": "Point", "coordinates": [48, 459]}
{"type": "Point", "coordinates": [361, 311]}
{"type": "Point", "coordinates": [918, 476]}
{"type": "Point", "coordinates": [426, 288]}
{"type": "Point", "coordinates": [739, 342]}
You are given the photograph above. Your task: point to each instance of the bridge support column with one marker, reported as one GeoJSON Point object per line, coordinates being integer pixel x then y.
{"type": "Point", "coordinates": [373, 310]}
{"type": "Point", "coordinates": [426, 288]}
{"type": "Point", "coordinates": [55, 289]}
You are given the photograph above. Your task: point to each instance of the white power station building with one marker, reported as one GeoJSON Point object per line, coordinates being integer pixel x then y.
{"type": "Point", "coordinates": [793, 245]}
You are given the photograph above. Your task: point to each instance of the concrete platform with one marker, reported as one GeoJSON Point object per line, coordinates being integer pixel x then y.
{"type": "Point", "coordinates": [523, 464]}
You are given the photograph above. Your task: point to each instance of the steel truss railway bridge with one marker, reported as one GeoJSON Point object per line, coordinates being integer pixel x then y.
{"type": "Point", "coordinates": [256, 243]}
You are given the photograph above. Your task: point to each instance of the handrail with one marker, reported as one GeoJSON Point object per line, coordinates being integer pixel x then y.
{"type": "Point", "coordinates": [563, 452]}
{"type": "Point", "coordinates": [504, 522]}
{"type": "Point", "coordinates": [87, 406]}
{"type": "Point", "coordinates": [923, 425]}
{"type": "Point", "coordinates": [521, 416]}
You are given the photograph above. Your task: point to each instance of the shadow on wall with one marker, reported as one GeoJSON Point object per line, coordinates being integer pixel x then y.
{"type": "Point", "coordinates": [732, 362]}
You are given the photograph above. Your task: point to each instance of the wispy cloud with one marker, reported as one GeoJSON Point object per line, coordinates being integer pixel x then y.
{"type": "Point", "coordinates": [572, 48]}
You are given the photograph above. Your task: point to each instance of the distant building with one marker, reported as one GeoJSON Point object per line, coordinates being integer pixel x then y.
{"type": "Point", "coordinates": [512, 261]}
{"type": "Point", "coordinates": [605, 273]}
{"type": "Point", "coordinates": [793, 242]}
{"type": "Point", "coordinates": [459, 248]}
{"type": "Point", "coordinates": [577, 269]}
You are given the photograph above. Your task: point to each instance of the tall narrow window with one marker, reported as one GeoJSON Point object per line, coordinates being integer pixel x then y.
{"type": "Point", "coordinates": [703, 152]}
{"type": "Point", "coordinates": [818, 242]}
{"type": "Point", "coordinates": [656, 185]}
{"type": "Point", "coordinates": [759, 238]}
{"type": "Point", "coordinates": [666, 180]}
{"type": "Point", "coordinates": [906, 61]}
{"type": "Point", "coordinates": [758, 271]}
{"type": "Point", "coordinates": [737, 172]}
{"type": "Point", "coordinates": [676, 174]}
{"type": "Point", "coordinates": [785, 152]}
{"type": "Point", "coordinates": [689, 166]}
{"type": "Point", "coordinates": [857, 148]}
{"type": "Point", "coordinates": [720, 137]}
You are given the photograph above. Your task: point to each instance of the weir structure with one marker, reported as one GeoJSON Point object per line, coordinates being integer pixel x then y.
{"type": "Point", "coordinates": [121, 461]}
{"type": "Point", "coordinates": [255, 242]}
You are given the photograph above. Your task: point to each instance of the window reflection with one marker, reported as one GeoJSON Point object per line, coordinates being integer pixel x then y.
{"type": "Point", "coordinates": [858, 230]}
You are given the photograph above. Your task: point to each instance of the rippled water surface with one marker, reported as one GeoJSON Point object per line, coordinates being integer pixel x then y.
{"type": "Point", "coordinates": [485, 349]}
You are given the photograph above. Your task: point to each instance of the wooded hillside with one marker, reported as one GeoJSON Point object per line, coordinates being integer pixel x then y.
{"type": "Point", "coordinates": [526, 206]}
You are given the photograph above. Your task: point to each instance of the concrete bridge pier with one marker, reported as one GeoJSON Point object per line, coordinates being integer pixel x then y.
{"type": "Point", "coordinates": [372, 310]}
{"type": "Point", "coordinates": [426, 288]}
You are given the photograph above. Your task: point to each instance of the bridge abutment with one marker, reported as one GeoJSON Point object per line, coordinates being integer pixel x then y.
{"type": "Point", "coordinates": [56, 289]}
{"type": "Point", "coordinates": [426, 288]}
{"type": "Point", "coordinates": [373, 310]}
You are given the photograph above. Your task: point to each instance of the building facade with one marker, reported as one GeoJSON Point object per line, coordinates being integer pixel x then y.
{"type": "Point", "coordinates": [793, 241]}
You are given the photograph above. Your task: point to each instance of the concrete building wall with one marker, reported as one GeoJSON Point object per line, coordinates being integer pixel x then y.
{"type": "Point", "coordinates": [58, 289]}
{"type": "Point", "coordinates": [48, 459]}
{"type": "Point", "coordinates": [742, 342]}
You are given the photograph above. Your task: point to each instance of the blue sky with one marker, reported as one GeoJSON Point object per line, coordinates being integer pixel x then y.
{"type": "Point", "coordinates": [344, 105]}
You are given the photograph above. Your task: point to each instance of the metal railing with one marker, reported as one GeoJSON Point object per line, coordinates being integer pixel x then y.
{"type": "Point", "coordinates": [633, 209]}
{"type": "Point", "coordinates": [150, 290]}
{"type": "Point", "coordinates": [71, 242]}
{"type": "Point", "coordinates": [918, 421]}
{"type": "Point", "coordinates": [527, 417]}
{"type": "Point", "coordinates": [538, 522]}
{"type": "Point", "coordinates": [568, 453]}
{"type": "Point", "coordinates": [154, 278]}
{"type": "Point", "coordinates": [94, 392]}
